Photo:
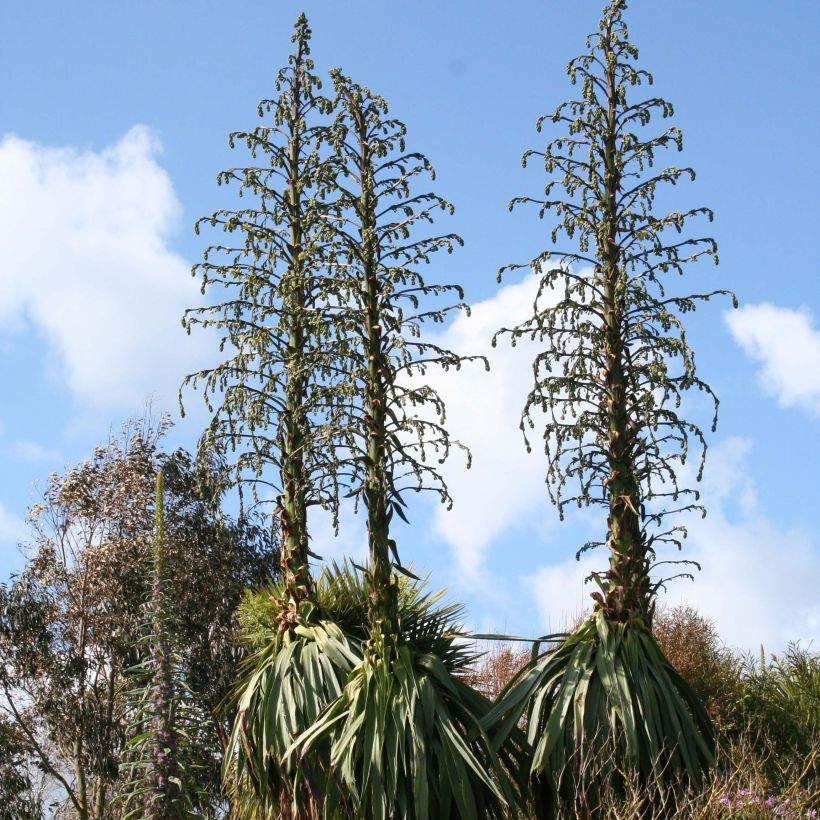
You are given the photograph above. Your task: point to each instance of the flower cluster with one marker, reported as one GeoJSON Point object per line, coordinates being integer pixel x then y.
{"type": "Point", "coordinates": [772, 806]}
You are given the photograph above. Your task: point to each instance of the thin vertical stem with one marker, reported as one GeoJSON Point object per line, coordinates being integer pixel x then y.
{"type": "Point", "coordinates": [163, 768]}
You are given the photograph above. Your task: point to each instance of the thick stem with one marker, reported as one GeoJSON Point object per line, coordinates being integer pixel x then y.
{"type": "Point", "coordinates": [293, 507]}
{"type": "Point", "coordinates": [626, 586]}
{"type": "Point", "coordinates": [383, 592]}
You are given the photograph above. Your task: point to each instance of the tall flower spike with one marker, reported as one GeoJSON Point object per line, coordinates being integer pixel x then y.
{"type": "Point", "coordinates": [609, 381]}
{"type": "Point", "coordinates": [615, 363]}
{"type": "Point", "coordinates": [271, 392]}
{"type": "Point", "coordinates": [273, 402]}
{"type": "Point", "coordinates": [394, 422]}
{"type": "Point", "coordinates": [405, 716]}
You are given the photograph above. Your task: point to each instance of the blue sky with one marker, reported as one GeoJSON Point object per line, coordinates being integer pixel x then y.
{"type": "Point", "coordinates": [113, 124]}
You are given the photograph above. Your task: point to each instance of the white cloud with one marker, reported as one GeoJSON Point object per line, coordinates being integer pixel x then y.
{"type": "Point", "coordinates": [84, 238]}
{"type": "Point", "coordinates": [11, 528]}
{"type": "Point", "coordinates": [31, 451]}
{"type": "Point", "coordinates": [758, 582]}
{"type": "Point", "coordinates": [506, 484]}
{"type": "Point", "coordinates": [559, 591]}
{"type": "Point", "coordinates": [786, 343]}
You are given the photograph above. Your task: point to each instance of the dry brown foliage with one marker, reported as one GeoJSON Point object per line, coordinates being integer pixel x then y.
{"type": "Point", "coordinates": [497, 666]}
{"type": "Point", "coordinates": [691, 643]}
{"type": "Point", "coordinates": [72, 622]}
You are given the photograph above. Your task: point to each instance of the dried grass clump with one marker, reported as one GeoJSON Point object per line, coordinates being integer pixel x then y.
{"type": "Point", "coordinates": [739, 788]}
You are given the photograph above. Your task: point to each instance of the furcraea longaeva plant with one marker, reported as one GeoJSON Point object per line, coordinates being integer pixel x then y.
{"type": "Point", "coordinates": [608, 384]}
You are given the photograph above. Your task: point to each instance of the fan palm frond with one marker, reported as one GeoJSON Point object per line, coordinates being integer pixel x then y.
{"type": "Point", "coordinates": [427, 620]}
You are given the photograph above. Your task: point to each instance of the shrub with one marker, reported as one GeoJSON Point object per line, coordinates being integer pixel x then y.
{"type": "Point", "coordinates": [494, 669]}
{"type": "Point", "coordinates": [779, 705]}
{"type": "Point", "coordinates": [692, 645]}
